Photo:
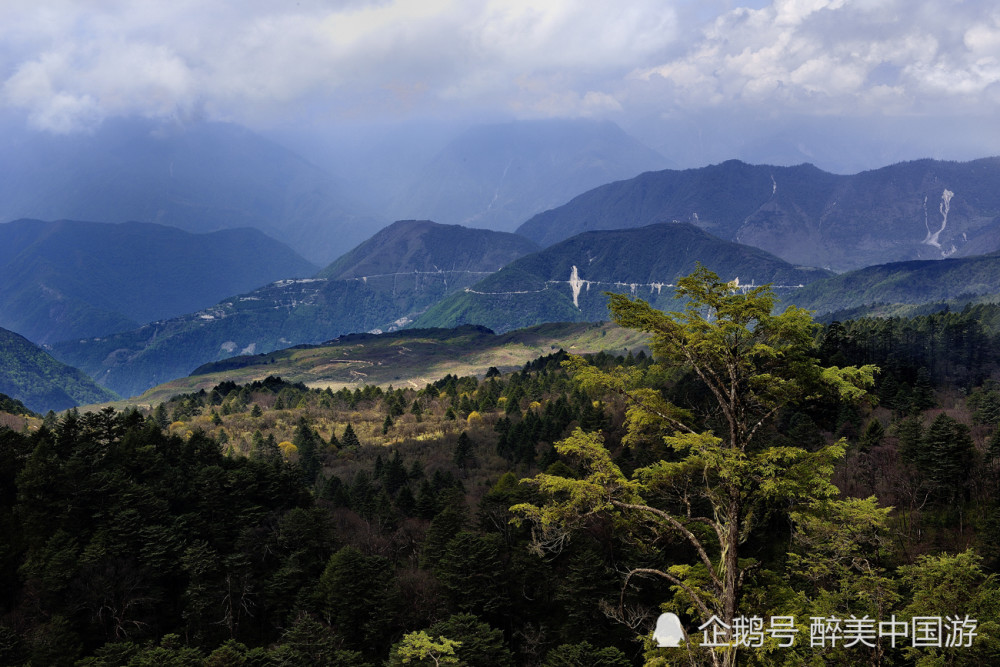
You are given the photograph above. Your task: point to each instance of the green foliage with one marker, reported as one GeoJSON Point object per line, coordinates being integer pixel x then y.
{"type": "Point", "coordinates": [955, 586]}
{"type": "Point", "coordinates": [358, 596]}
{"type": "Point", "coordinates": [31, 376]}
{"type": "Point", "coordinates": [128, 533]}
{"type": "Point", "coordinates": [904, 283]}
{"type": "Point", "coordinates": [472, 573]}
{"type": "Point", "coordinates": [944, 456]}
{"type": "Point", "coordinates": [14, 406]}
{"type": "Point", "coordinates": [350, 439]}
{"type": "Point", "coordinates": [307, 443]}
{"type": "Point", "coordinates": [462, 456]}
{"type": "Point", "coordinates": [480, 645]}
{"type": "Point", "coordinates": [726, 473]}
{"type": "Point", "coordinates": [585, 654]}
{"type": "Point", "coordinates": [952, 347]}
{"type": "Point", "coordinates": [419, 648]}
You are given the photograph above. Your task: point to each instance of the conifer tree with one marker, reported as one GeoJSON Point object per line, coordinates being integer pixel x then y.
{"type": "Point", "coordinates": [160, 416]}
{"type": "Point", "coordinates": [394, 476]}
{"type": "Point", "coordinates": [753, 363]}
{"type": "Point", "coordinates": [462, 456]}
{"type": "Point", "coordinates": [873, 435]}
{"type": "Point", "coordinates": [945, 457]}
{"type": "Point", "coordinates": [447, 524]}
{"type": "Point", "coordinates": [350, 440]}
{"type": "Point", "coordinates": [923, 392]}
{"type": "Point", "coordinates": [305, 440]}
{"type": "Point", "coordinates": [427, 505]}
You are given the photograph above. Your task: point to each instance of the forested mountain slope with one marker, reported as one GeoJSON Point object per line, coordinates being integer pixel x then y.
{"type": "Point", "coordinates": [909, 283]}
{"type": "Point", "coordinates": [30, 375]}
{"type": "Point", "coordinates": [270, 522]}
{"type": "Point", "coordinates": [568, 281]}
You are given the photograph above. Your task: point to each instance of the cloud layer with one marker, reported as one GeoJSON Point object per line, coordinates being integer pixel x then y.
{"type": "Point", "coordinates": [68, 65]}
{"type": "Point", "coordinates": [842, 56]}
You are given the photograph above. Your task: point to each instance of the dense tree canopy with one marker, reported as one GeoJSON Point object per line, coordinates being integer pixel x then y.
{"type": "Point", "coordinates": [272, 523]}
{"type": "Point", "coordinates": [726, 476]}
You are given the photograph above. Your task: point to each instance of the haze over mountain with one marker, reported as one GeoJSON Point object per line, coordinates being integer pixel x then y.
{"type": "Point", "coordinates": [568, 281]}
{"type": "Point", "coordinates": [29, 374]}
{"type": "Point", "coordinates": [497, 176]}
{"type": "Point", "coordinates": [195, 175]}
{"type": "Point", "coordinates": [69, 279]}
{"type": "Point", "coordinates": [914, 210]}
{"type": "Point", "coordinates": [380, 285]}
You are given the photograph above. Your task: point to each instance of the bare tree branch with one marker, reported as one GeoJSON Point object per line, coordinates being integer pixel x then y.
{"type": "Point", "coordinates": [691, 537]}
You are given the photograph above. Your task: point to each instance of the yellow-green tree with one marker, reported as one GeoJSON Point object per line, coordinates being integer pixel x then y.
{"type": "Point", "coordinates": [419, 648]}
{"type": "Point", "coordinates": [727, 475]}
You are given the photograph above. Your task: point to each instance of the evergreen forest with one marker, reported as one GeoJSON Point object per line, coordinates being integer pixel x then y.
{"type": "Point", "coordinates": [545, 516]}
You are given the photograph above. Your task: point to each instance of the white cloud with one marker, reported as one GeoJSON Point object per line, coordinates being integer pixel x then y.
{"type": "Point", "coordinates": [70, 64]}
{"type": "Point", "coordinates": [834, 56]}
{"type": "Point", "coordinates": [241, 60]}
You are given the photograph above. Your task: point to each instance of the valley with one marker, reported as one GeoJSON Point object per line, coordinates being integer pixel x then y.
{"type": "Point", "coordinates": [367, 409]}
{"type": "Point", "coordinates": [386, 333]}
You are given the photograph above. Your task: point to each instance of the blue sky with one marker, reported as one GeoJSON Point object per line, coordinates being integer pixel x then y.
{"type": "Point", "coordinates": [648, 65]}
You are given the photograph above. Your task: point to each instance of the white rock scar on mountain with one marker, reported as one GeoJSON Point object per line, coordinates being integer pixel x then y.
{"type": "Point", "coordinates": [943, 207]}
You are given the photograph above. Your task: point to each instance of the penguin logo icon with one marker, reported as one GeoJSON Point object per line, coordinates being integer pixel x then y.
{"type": "Point", "coordinates": [668, 632]}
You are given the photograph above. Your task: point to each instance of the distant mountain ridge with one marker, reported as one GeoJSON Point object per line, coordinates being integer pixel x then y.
{"type": "Point", "coordinates": [380, 285]}
{"type": "Point", "coordinates": [914, 210]}
{"type": "Point", "coordinates": [198, 176]}
{"type": "Point", "coordinates": [568, 281]}
{"type": "Point", "coordinates": [905, 283]}
{"type": "Point", "coordinates": [426, 246]}
{"type": "Point", "coordinates": [70, 279]}
{"type": "Point", "coordinates": [29, 374]}
{"type": "Point", "coordinates": [496, 176]}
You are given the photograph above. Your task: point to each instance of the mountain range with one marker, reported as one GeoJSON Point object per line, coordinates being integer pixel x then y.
{"type": "Point", "coordinates": [137, 304]}
{"type": "Point", "coordinates": [925, 209]}
{"type": "Point", "coordinates": [568, 281]}
{"type": "Point", "coordinates": [199, 176]}
{"type": "Point", "coordinates": [414, 266]}
{"type": "Point", "coordinates": [71, 279]}
{"type": "Point", "coordinates": [381, 285]}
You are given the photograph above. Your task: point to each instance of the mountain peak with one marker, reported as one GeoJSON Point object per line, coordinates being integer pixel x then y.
{"type": "Point", "coordinates": [410, 246]}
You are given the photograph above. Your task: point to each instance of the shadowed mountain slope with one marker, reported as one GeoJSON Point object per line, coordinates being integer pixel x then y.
{"type": "Point", "coordinates": [568, 281]}
{"type": "Point", "coordinates": [68, 279]}
{"type": "Point", "coordinates": [914, 210]}
{"type": "Point", "coordinates": [29, 374]}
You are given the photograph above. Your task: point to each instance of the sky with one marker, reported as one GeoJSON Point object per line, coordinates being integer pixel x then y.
{"type": "Point", "coordinates": [915, 75]}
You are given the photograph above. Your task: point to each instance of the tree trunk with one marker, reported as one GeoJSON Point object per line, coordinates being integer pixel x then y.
{"type": "Point", "coordinates": [730, 568]}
